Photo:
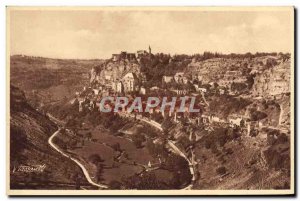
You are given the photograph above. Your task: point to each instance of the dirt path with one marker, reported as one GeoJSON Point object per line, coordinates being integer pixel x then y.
{"type": "Point", "coordinates": [86, 174]}
{"type": "Point", "coordinates": [84, 170]}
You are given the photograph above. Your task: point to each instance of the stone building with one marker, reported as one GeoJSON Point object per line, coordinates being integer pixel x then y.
{"type": "Point", "coordinates": [118, 86]}
{"type": "Point", "coordinates": [124, 56]}
{"type": "Point", "coordinates": [178, 77]}
{"type": "Point", "coordinates": [130, 82]}
{"type": "Point", "coordinates": [141, 53]}
{"type": "Point", "coordinates": [143, 90]}
{"type": "Point", "coordinates": [167, 79]}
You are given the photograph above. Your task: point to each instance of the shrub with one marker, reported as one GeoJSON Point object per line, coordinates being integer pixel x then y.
{"type": "Point", "coordinates": [115, 185]}
{"type": "Point", "coordinates": [95, 159]}
{"type": "Point", "coordinates": [138, 140]}
{"type": "Point", "coordinates": [221, 170]}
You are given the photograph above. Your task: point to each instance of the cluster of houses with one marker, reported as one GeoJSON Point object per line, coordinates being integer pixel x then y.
{"type": "Point", "coordinates": [120, 75]}
{"type": "Point", "coordinates": [130, 81]}
{"type": "Point", "coordinates": [131, 56]}
{"type": "Point", "coordinates": [125, 83]}
{"type": "Point", "coordinates": [233, 120]}
{"type": "Point", "coordinates": [179, 77]}
{"type": "Point", "coordinates": [223, 86]}
{"type": "Point", "coordinates": [90, 99]}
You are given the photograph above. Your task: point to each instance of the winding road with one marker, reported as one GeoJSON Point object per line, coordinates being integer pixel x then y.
{"type": "Point", "coordinates": [84, 170]}
{"type": "Point", "coordinates": [176, 150]}
{"type": "Point", "coordinates": [103, 186]}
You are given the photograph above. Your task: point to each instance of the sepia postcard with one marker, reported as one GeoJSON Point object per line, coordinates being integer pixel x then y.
{"type": "Point", "coordinates": [150, 101]}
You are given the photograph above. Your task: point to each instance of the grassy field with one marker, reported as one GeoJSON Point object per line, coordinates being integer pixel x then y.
{"type": "Point", "coordinates": [102, 144]}
{"type": "Point", "coordinates": [141, 155]}
{"type": "Point", "coordinates": [46, 80]}
{"type": "Point", "coordinates": [163, 175]}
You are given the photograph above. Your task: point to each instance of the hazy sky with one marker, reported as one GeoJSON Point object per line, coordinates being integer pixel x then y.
{"type": "Point", "coordinates": [98, 34]}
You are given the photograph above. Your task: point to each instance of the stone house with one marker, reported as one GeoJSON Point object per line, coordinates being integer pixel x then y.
{"type": "Point", "coordinates": [235, 120]}
{"type": "Point", "coordinates": [118, 86]}
{"type": "Point", "coordinates": [178, 77]}
{"type": "Point", "coordinates": [167, 79]}
{"type": "Point", "coordinates": [130, 82]}
{"type": "Point", "coordinates": [143, 90]}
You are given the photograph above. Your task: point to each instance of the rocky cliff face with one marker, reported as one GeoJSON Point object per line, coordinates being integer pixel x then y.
{"type": "Point", "coordinates": [274, 80]}
{"type": "Point", "coordinates": [213, 70]}
{"type": "Point", "coordinates": [114, 70]}
{"type": "Point", "coordinates": [272, 72]}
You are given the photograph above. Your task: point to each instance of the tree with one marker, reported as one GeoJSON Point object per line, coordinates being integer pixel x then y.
{"type": "Point", "coordinates": [253, 133]}
{"type": "Point", "coordinates": [257, 115]}
{"type": "Point", "coordinates": [95, 159]}
{"type": "Point", "coordinates": [72, 143]}
{"type": "Point", "coordinates": [180, 167]}
{"type": "Point", "coordinates": [221, 170]}
{"type": "Point", "coordinates": [116, 146]}
{"type": "Point", "coordinates": [175, 181]}
{"type": "Point", "coordinates": [149, 181]}
{"type": "Point", "coordinates": [156, 149]}
{"type": "Point", "coordinates": [166, 124]}
{"type": "Point", "coordinates": [176, 163]}
{"type": "Point", "coordinates": [146, 181]}
{"type": "Point", "coordinates": [138, 140]}
{"type": "Point", "coordinates": [99, 172]}
{"type": "Point", "coordinates": [115, 185]}
{"type": "Point", "coordinates": [77, 178]}
{"type": "Point", "coordinates": [250, 81]}
{"type": "Point", "coordinates": [89, 135]}
{"type": "Point", "coordinates": [184, 141]}
{"type": "Point", "coordinates": [60, 143]}
{"type": "Point", "coordinates": [216, 85]}
{"type": "Point", "coordinates": [242, 123]}
{"type": "Point", "coordinates": [238, 86]}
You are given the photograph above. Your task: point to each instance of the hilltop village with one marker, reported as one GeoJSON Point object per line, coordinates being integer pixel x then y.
{"type": "Point", "coordinates": [238, 139]}
{"type": "Point", "coordinates": [248, 81]}
{"type": "Point", "coordinates": [244, 103]}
